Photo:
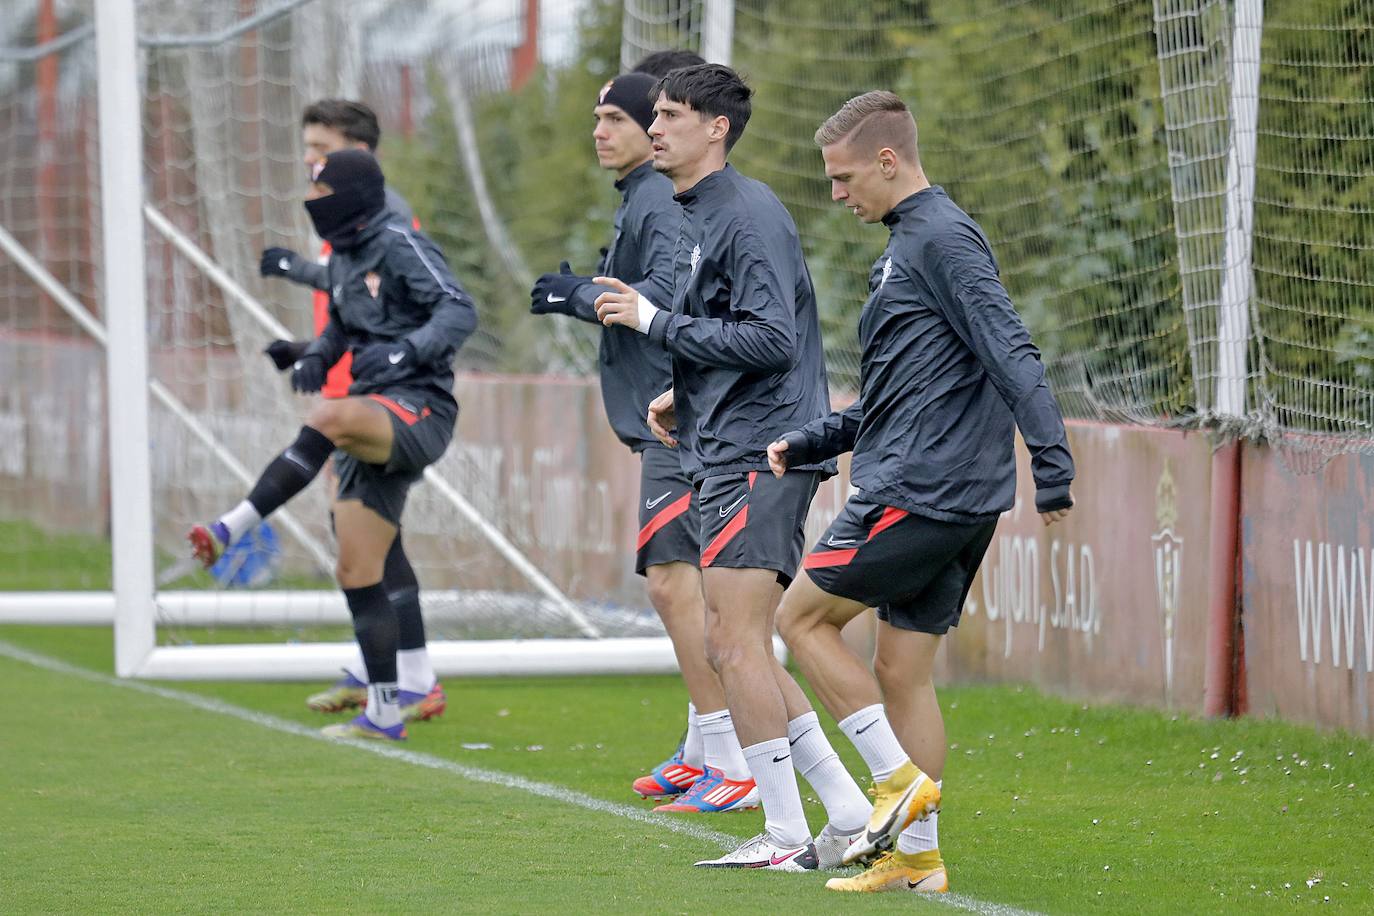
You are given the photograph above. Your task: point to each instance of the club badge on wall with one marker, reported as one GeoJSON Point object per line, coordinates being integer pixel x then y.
{"type": "Point", "coordinates": [1168, 548]}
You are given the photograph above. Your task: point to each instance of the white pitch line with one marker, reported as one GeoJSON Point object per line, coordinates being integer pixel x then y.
{"type": "Point", "coordinates": [550, 791]}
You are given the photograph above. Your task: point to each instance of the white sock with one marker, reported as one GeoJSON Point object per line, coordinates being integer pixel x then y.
{"type": "Point", "coordinates": [771, 764]}
{"type": "Point", "coordinates": [414, 670]}
{"type": "Point", "coordinates": [356, 666]}
{"type": "Point", "coordinates": [240, 520]}
{"type": "Point", "coordinates": [921, 836]}
{"type": "Point", "coordinates": [382, 709]}
{"type": "Point", "coordinates": [721, 748]}
{"type": "Point", "coordinates": [845, 803]}
{"type": "Point", "coordinates": [693, 749]}
{"type": "Point", "coordinates": [872, 735]}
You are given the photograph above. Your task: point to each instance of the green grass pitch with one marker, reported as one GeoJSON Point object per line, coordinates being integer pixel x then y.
{"type": "Point", "coordinates": [116, 801]}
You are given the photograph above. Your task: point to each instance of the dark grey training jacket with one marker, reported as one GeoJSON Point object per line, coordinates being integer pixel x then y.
{"type": "Point", "coordinates": [393, 286]}
{"type": "Point", "coordinates": [947, 368]}
{"type": "Point", "coordinates": [315, 275]}
{"type": "Point", "coordinates": [635, 369]}
{"type": "Point", "coordinates": [743, 332]}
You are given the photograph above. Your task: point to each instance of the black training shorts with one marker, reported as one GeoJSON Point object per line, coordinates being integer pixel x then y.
{"type": "Point", "coordinates": [669, 520]}
{"type": "Point", "coordinates": [915, 571]}
{"type": "Point", "coordinates": [753, 520]}
{"type": "Point", "coordinates": [421, 432]}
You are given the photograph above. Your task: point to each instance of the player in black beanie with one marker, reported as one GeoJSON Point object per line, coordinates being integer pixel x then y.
{"type": "Point", "coordinates": [634, 371]}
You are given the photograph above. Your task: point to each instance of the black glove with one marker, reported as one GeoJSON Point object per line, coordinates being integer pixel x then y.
{"type": "Point", "coordinates": [553, 293]}
{"type": "Point", "coordinates": [284, 353]}
{"type": "Point", "coordinates": [379, 360]}
{"type": "Point", "coordinates": [307, 375]}
{"type": "Point", "coordinates": [278, 262]}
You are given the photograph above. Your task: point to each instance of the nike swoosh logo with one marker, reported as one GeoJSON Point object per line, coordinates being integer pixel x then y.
{"type": "Point", "coordinates": [553, 298]}
{"type": "Point", "coordinates": [396, 357]}
{"type": "Point", "coordinates": [650, 503]}
{"type": "Point", "coordinates": [842, 543]}
{"type": "Point", "coordinates": [778, 860]}
{"type": "Point", "coordinates": [793, 741]}
{"type": "Point", "coordinates": [782, 758]}
{"type": "Point", "coordinates": [284, 264]}
{"type": "Point", "coordinates": [860, 731]}
{"type": "Point", "coordinates": [726, 510]}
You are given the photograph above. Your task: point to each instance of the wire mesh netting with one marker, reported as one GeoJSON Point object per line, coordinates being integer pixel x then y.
{"type": "Point", "coordinates": [1096, 141]}
{"type": "Point", "coordinates": [223, 87]}
{"type": "Point", "coordinates": [1313, 300]}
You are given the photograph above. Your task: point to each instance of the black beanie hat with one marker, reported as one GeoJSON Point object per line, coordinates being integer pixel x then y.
{"type": "Point", "coordinates": [630, 93]}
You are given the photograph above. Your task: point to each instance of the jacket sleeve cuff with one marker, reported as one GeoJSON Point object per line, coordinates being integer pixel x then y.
{"type": "Point", "coordinates": [1050, 499]}
{"type": "Point", "coordinates": [585, 295]}
{"type": "Point", "coordinates": [658, 328]}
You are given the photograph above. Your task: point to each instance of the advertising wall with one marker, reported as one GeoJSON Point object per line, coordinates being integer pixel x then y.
{"type": "Point", "coordinates": [1307, 545]}
{"type": "Point", "coordinates": [1115, 603]}
{"type": "Point", "coordinates": [1110, 603]}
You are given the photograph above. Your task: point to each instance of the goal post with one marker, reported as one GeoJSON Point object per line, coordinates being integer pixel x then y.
{"type": "Point", "coordinates": [121, 173]}
{"type": "Point", "coordinates": [150, 269]}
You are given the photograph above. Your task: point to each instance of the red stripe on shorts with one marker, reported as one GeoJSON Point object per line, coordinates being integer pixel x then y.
{"type": "Point", "coordinates": [890, 517]}
{"type": "Point", "coordinates": [829, 558]}
{"type": "Point", "coordinates": [713, 549]}
{"type": "Point", "coordinates": [408, 418]}
{"type": "Point", "coordinates": [665, 515]}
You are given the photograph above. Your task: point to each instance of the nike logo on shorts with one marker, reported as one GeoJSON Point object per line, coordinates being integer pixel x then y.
{"type": "Point", "coordinates": [841, 543]}
{"type": "Point", "coordinates": [553, 298]}
{"type": "Point", "coordinates": [650, 503]}
{"type": "Point", "coordinates": [396, 357]}
{"type": "Point", "coordinates": [726, 510]}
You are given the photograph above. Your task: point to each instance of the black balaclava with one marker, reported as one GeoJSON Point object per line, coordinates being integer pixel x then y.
{"type": "Point", "coordinates": [630, 93]}
{"type": "Point", "coordinates": [359, 195]}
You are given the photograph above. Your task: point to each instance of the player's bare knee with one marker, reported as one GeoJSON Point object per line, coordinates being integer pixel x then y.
{"type": "Point", "coordinates": [328, 418]}
{"type": "Point", "coordinates": [353, 573]}
{"type": "Point", "coordinates": [726, 653]}
{"type": "Point", "coordinates": [895, 676]}
{"type": "Point", "coordinates": [717, 650]}
{"type": "Point", "coordinates": [667, 596]}
{"type": "Point", "coordinates": [790, 625]}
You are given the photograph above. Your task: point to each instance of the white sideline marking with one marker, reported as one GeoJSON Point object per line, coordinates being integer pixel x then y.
{"type": "Point", "coordinates": [557, 793]}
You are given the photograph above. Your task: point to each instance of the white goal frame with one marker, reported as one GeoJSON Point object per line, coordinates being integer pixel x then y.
{"type": "Point", "coordinates": [134, 605]}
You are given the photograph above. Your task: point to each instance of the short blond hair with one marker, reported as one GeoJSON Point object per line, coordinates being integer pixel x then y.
{"type": "Point", "coordinates": [873, 121]}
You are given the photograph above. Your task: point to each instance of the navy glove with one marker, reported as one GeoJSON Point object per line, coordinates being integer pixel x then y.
{"type": "Point", "coordinates": [307, 375]}
{"type": "Point", "coordinates": [284, 353]}
{"type": "Point", "coordinates": [278, 262]}
{"type": "Point", "coordinates": [554, 293]}
{"type": "Point", "coordinates": [379, 360]}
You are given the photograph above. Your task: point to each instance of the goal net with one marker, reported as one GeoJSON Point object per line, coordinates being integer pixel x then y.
{"type": "Point", "coordinates": [1177, 192]}
{"type": "Point", "coordinates": [519, 535]}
